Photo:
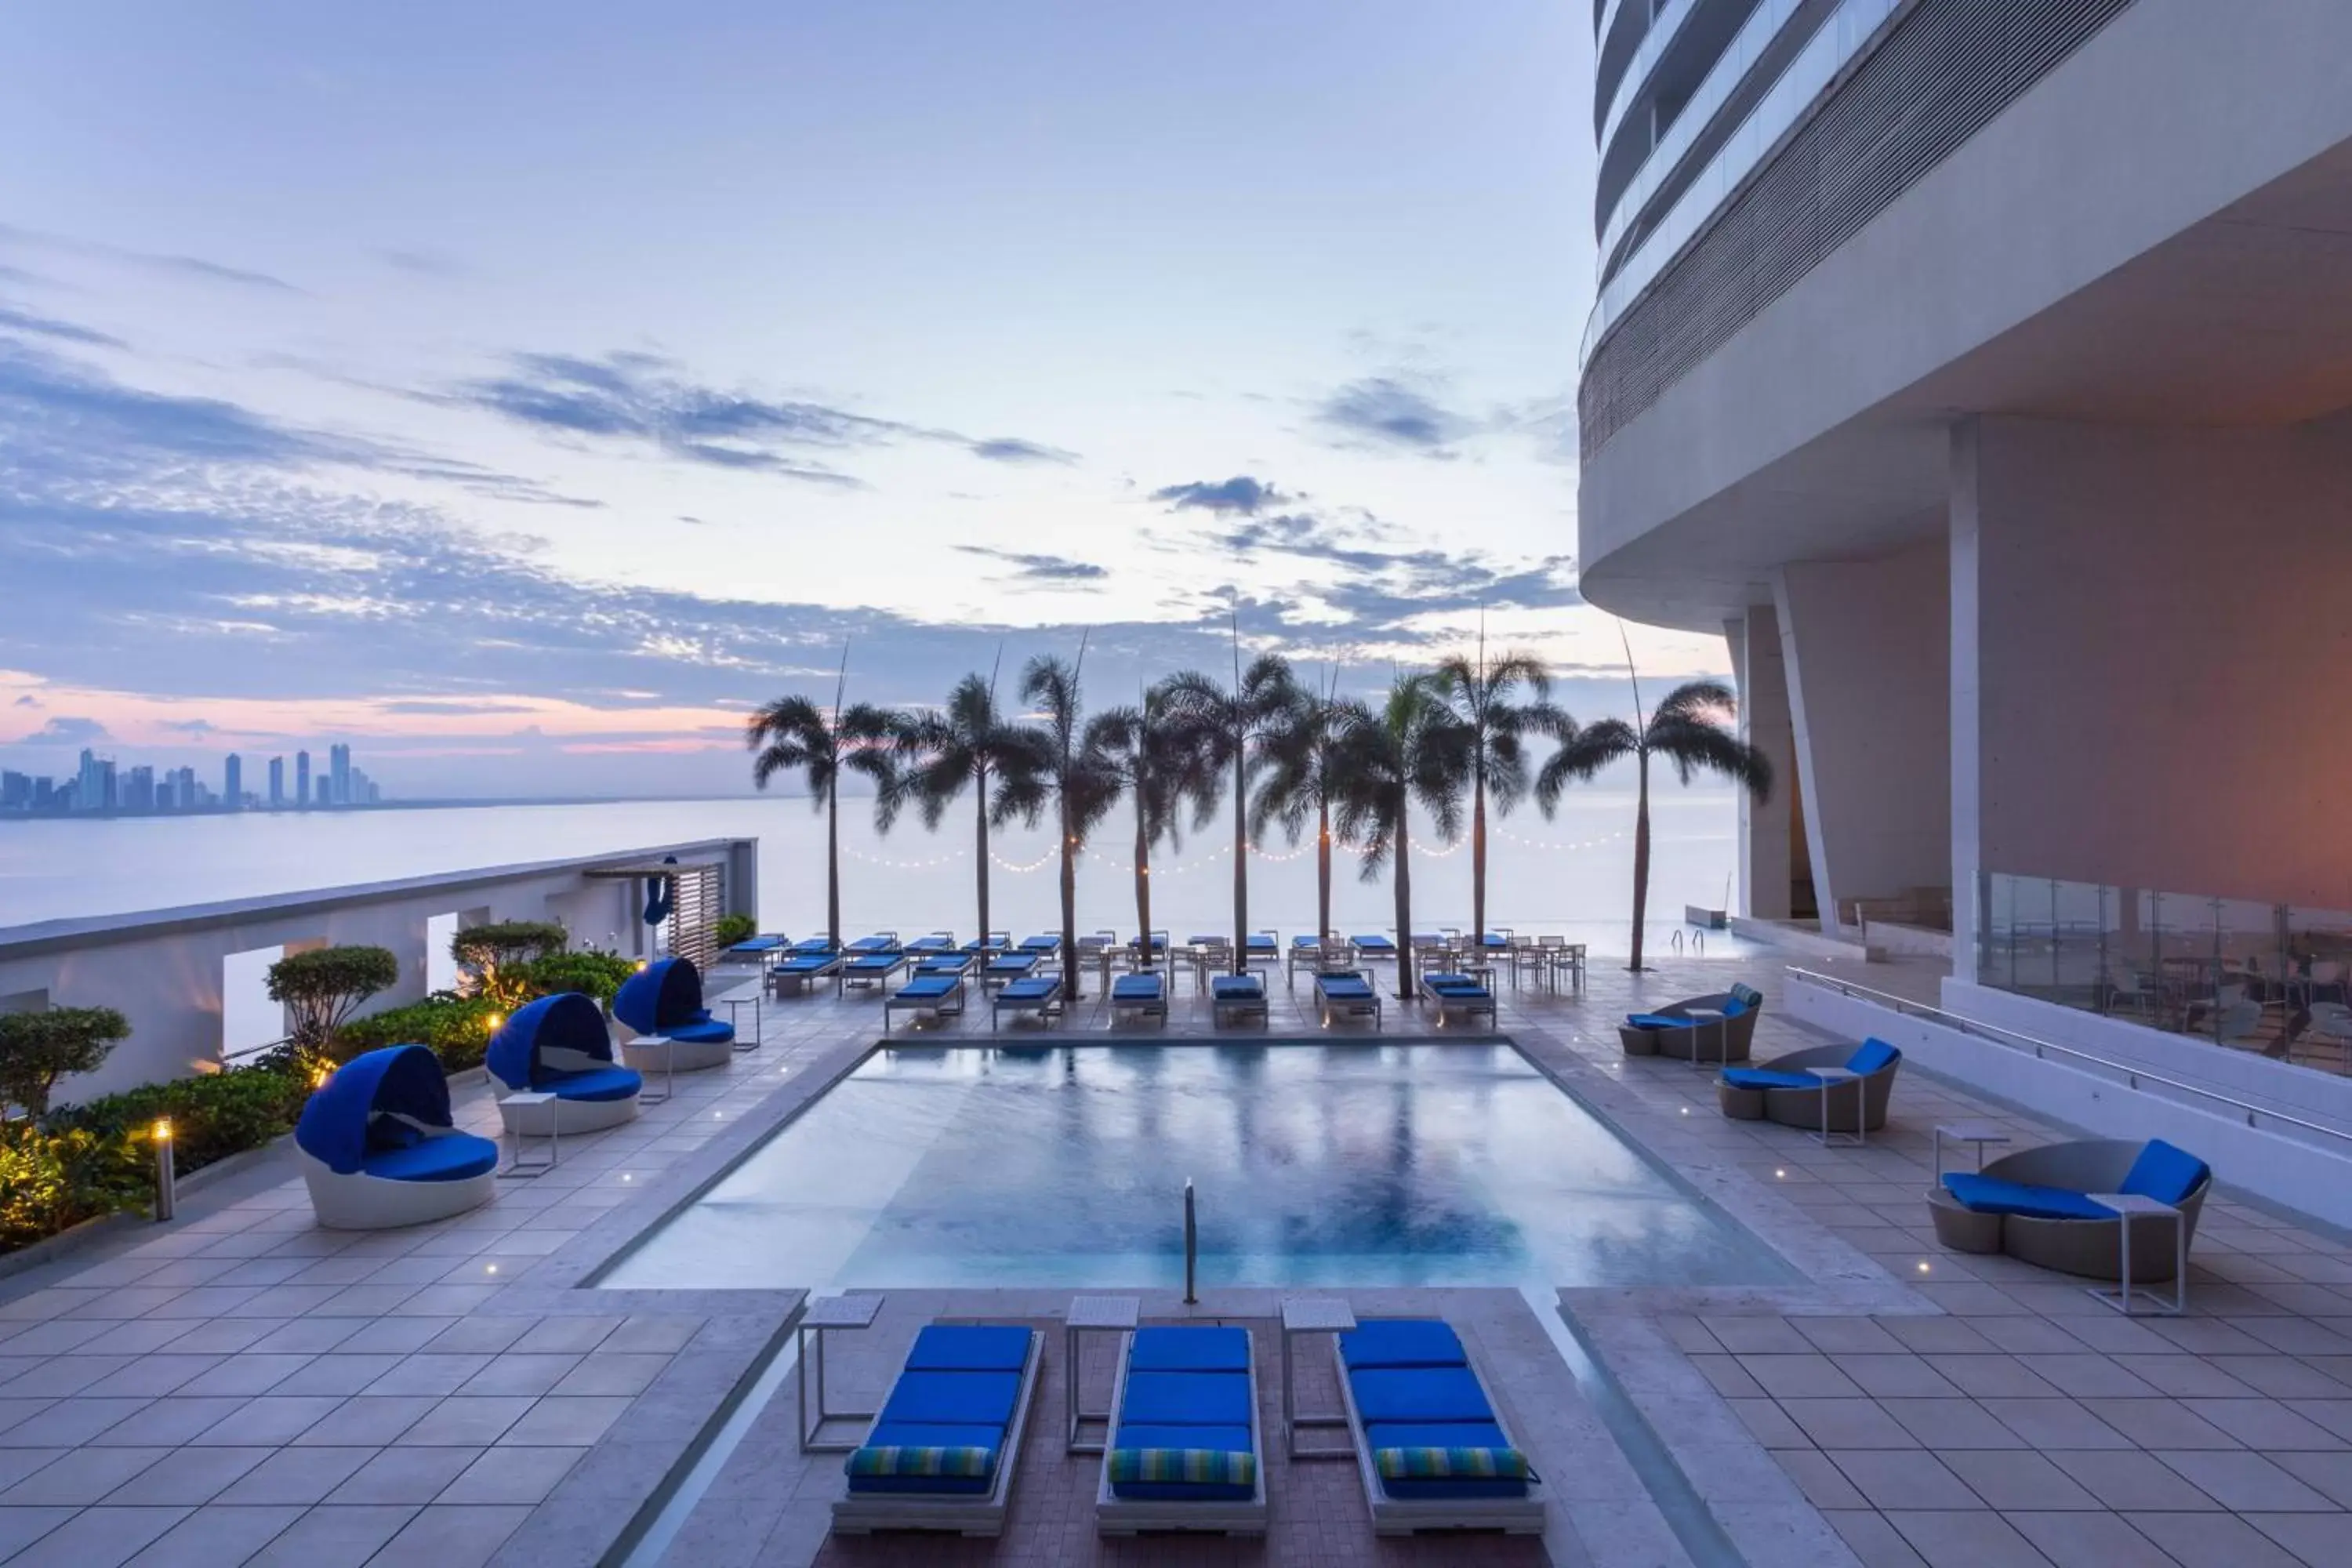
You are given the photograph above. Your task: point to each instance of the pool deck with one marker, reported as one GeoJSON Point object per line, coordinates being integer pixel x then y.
{"type": "Point", "coordinates": [240, 1386]}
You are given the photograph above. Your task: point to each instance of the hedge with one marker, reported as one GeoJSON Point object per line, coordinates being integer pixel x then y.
{"type": "Point", "coordinates": [457, 1029]}
{"type": "Point", "coordinates": [213, 1115]}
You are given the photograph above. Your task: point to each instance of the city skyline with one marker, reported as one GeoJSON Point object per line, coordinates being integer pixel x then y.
{"type": "Point", "coordinates": [105, 785]}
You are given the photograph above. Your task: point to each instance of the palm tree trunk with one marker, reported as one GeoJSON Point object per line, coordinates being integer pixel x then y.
{"type": "Point", "coordinates": [1069, 906]}
{"type": "Point", "coordinates": [979, 853]}
{"type": "Point", "coordinates": [1403, 910]}
{"type": "Point", "coordinates": [1478, 860]}
{"type": "Point", "coordinates": [1640, 858]}
{"type": "Point", "coordinates": [1142, 879]}
{"type": "Point", "coordinates": [833, 868]}
{"type": "Point", "coordinates": [1241, 861]}
{"type": "Point", "coordinates": [1322, 870]}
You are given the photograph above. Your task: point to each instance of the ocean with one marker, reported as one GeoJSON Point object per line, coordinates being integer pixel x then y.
{"type": "Point", "coordinates": [1573, 874]}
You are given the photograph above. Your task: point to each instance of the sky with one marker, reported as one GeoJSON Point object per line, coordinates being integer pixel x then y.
{"type": "Point", "coordinates": [523, 393]}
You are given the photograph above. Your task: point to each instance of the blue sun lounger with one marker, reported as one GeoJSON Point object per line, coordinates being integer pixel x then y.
{"type": "Point", "coordinates": [801, 971]}
{"type": "Point", "coordinates": [880, 942]}
{"type": "Point", "coordinates": [1235, 995]}
{"type": "Point", "coordinates": [1039, 993]}
{"type": "Point", "coordinates": [814, 944]}
{"type": "Point", "coordinates": [1006, 967]}
{"type": "Point", "coordinates": [868, 968]}
{"type": "Point", "coordinates": [1144, 994]}
{"type": "Point", "coordinates": [942, 1451]}
{"type": "Point", "coordinates": [937, 941]}
{"type": "Point", "coordinates": [940, 996]}
{"type": "Point", "coordinates": [1431, 1447]}
{"type": "Point", "coordinates": [1374, 949]}
{"type": "Point", "coordinates": [760, 950]}
{"type": "Point", "coordinates": [1043, 946]}
{"type": "Point", "coordinates": [1185, 1450]}
{"type": "Point", "coordinates": [959, 963]}
{"type": "Point", "coordinates": [1459, 994]}
{"type": "Point", "coordinates": [1347, 993]}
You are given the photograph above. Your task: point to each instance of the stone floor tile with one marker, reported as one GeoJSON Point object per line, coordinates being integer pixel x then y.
{"type": "Point", "coordinates": [521, 1374]}
{"type": "Point", "coordinates": [1902, 1376]}
{"type": "Point", "coordinates": [167, 1422]}
{"type": "Point", "coordinates": [1726, 1376]}
{"type": "Point", "coordinates": [298, 1475]}
{"type": "Point", "coordinates": [566, 1336]}
{"type": "Point", "coordinates": [2316, 1539]}
{"type": "Point", "coordinates": [2211, 1540]}
{"type": "Point", "coordinates": [1976, 1538]}
{"type": "Point", "coordinates": [2263, 1424]}
{"type": "Point", "coordinates": [1847, 1423]}
{"type": "Point", "coordinates": [1825, 1485]}
{"type": "Point", "coordinates": [251, 1372]}
{"type": "Point", "coordinates": [2128, 1480]}
{"type": "Point", "coordinates": [429, 1374]}
{"type": "Point", "coordinates": [1950, 1423]}
{"type": "Point", "coordinates": [2244, 1482]}
{"type": "Point", "coordinates": [1874, 1541]}
{"type": "Point", "coordinates": [452, 1536]}
{"type": "Point", "coordinates": [216, 1537]}
{"type": "Point", "coordinates": [1997, 1377]}
{"type": "Point", "coordinates": [483, 1335]}
{"type": "Point", "coordinates": [2085, 1374]}
{"type": "Point", "coordinates": [98, 1538]}
{"type": "Point", "coordinates": [563, 1420]}
{"type": "Point", "coordinates": [1929, 1335]}
{"type": "Point", "coordinates": [153, 1377]}
{"type": "Point", "coordinates": [1843, 1337]}
{"type": "Point", "coordinates": [2328, 1474]}
{"type": "Point", "coordinates": [336, 1536]}
{"type": "Point", "coordinates": [614, 1373]}
{"type": "Point", "coordinates": [2285, 1377]}
{"type": "Point", "coordinates": [20, 1527]}
{"type": "Point", "coordinates": [2051, 1423]}
{"type": "Point", "coordinates": [2013, 1480]}
{"type": "Point", "coordinates": [1912, 1480]}
{"type": "Point", "coordinates": [189, 1477]}
{"type": "Point", "coordinates": [2087, 1540]}
{"type": "Point", "coordinates": [367, 1421]}
{"type": "Point", "coordinates": [667, 1333]}
{"type": "Point", "coordinates": [415, 1476]}
{"type": "Point", "coordinates": [79, 1476]}
{"type": "Point", "coordinates": [337, 1374]}
{"type": "Point", "coordinates": [1757, 1336]}
{"type": "Point", "coordinates": [272, 1419]}
{"type": "Point", "coordinates": [514, 1475]}
{"type": "Point", "coordinates": [70, 1423]}
{"type": "Point", "coordinates": [466, 1421]}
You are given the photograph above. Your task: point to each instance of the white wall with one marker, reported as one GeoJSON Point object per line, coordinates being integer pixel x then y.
{"type": "Point", "coordinates": [1866, 646]}
{"type": "Point", "coordinates": [1764, 825]}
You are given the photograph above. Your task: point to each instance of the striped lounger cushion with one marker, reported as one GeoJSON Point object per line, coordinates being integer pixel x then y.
{"type": "Point", "coordinates": [1184, 1417]}
{"type": "Point", "coordinates": [1426, 1419]}
{"type": "Point", "coordinates": [942, 1430]}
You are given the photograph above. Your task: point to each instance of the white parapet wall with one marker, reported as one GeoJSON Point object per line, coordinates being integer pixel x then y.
{"type": "Point", "coordinates": [2272, 1159]}
{"type": "Point", "coordinates": [163, 969]}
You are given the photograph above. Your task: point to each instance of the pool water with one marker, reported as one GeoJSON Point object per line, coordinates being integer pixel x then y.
{"type": "Point", "coordinates": [1400, 1165]}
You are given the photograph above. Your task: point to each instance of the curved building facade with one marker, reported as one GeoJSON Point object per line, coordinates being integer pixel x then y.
{"type": "Point", "coordinates": [1984, 373]}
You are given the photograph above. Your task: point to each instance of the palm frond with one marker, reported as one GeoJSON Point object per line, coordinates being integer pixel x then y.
{"type": "Point", "coordinates": [1582, 754]}
{"type": "Point", "coordinates": [1700, 747]}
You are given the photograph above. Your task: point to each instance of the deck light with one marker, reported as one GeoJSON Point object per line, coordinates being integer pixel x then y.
{"type": "Point", "coordinates": [1923, 1266]}
{"type": "Point", "coordinates": [166, 1178]}
{"type": "Point", "coordinates": [1780, 1175]}
{"type": "Point", "coordinates": [496, 1019]}
{"type": "Point", "coordinates": [319, 1079]}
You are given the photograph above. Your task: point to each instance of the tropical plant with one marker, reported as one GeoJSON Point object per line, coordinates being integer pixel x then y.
{"type": "Point", "coordinates": [1484, 696]}
{"type": "Point", "coordinates": [1304, 756]}
{"type": "Point", "coordinates": [322, 986]}
{"type": "Point", "coordinates": [486, 951]}
{"type": "Point", "coordinates": [728, 930]}
{"type": "Point", "coordinates": [51, 1182]}
{"type": "Point", "coordinates": [969, 744]}
{"type": "Point", "coordinates": [1082, 784]}
{"type": "Point", "coordinates": [593, 972]}
{"type": "Point", "coordinates": [1688, 729]}
{"type": "Point", "coordinates": [1222, 731]}
{"type": "Point", "coordinates": [1140, 745]}
{"type": "Point", "coordinates": [456, 1029]}
{"type": "Point", "coordinates": [38, 1048]}
{"type": "Point", "coordinates": [793, 734]}
{"type": "Point", "coordinates": [1411, 749]}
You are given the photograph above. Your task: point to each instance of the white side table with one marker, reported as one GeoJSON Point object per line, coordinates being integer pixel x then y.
{"type": "Point", "coordinates": [669, 1049]}
{"type": "Point", "coordinates": [1831, 1078]}
{"type": "Point", "coordinates": [1312, 1315]}
{"type": "Point", "coordinates": [519, 1167]}
{"type": "Point", "coordinates": [1090, 1314]}
{"type": "Point", "coordinates": [2129, 1206]}
{"type": "Point", "coordinates": [734, 1006]}
{"type": "Point", "coordinates": [1698, 1017]}
{"type": "Point", "coordinates": [830, 1312]}
{"type": "Point", "coordinates": [1977, 1132]}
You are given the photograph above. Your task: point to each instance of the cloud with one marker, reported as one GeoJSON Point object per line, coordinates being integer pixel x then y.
{"type": "Point", "coordinates": [1039, 568]}
{"type": "Point", "coordinates": [424, 263]}
{"type": "Point", "coordinates": [1240, 495]}
{"type": "Point", "coordinates": [1383, 412]}
{"type": "Point", "coordinates": [191, 726]}
{"type": "Point", "coordinates": [1012, 449]}
{"type": "Point", "coordinates": [28, 701]}
{"type": "Point", "coordinates": [16, 320]}
{"type": "Point", "coordinates": [445, 706]}
{"type": "Point", "coordinates": [65, 732]}
{"type": "Point", "coordinates": [185, 266]}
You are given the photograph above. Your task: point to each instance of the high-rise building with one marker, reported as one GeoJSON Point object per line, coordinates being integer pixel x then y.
{"type": "Point", "coordinates": [301, 778]}
{"type": "Point", "coordinates": [276, 783]}
{"type": "Point", "coordinates": [338, 772]}
{"type": "Point", "coordinates": [1980, 372]}
{"type": "Point", "coordinates": [15, 791]}
{"type": "Point", "coordinates": [139, 789]}
{"type": "Point", "coordinates": [233, 783]}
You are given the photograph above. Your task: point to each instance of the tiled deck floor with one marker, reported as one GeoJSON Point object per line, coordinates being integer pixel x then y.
{"type": "Point", "coordinates": [240, 1386]}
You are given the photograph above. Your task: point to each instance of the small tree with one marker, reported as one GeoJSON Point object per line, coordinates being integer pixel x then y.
{"type": "Point", "coordinates": [483, 950]}
{"type": "Point", "coordinates": [38, 1048]}
{"type": "Point", "coordinates": [325, 985]}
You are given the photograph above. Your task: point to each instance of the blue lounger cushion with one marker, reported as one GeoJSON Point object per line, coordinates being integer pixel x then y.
{"type": "Point", "coordinates": [1207, 1349]}
{"type": "Point", "coordinates": [1388, 1343]}
{"type": "Point", "coordinates": [1460, 1471]}
{"type": "Point", "coordinates": [706, 1032]}
{"type": "Point", "coordinates": [928, 988]}
{"type": "Point", "coordinates": [808, 963]}
{"type": "Point", "coordinates": [969, 1347]}
{"type": "Point", "coordinates": [1136, 988]}
{"type": "Point", "coordinates": [1186, 1399]}
{"type": "Point", "coordinates": [1012, 963]}
{"type": "Point", "coordinates": [1420, 1394]}
{"type": "Point", "coordinates": [1229, 1439]}
{"type": "Point", "coordinates": [1990, 1195]}
{"type": "Point", "coordinates": [595, 1084]}
{"type": "Point", "coordinates": [1434, 1435]}
{"type": "Point", "coordinates": [954, 1398]}
{"type": "Point", "coordinates": [1347, 987]}
{"type": "Point", "coordinates": [1656, 1021]}
{"type": "Point", "coordinates": [452, 1157]}
{"type": "Point", "coordinates": [1765, 1078]}
{"type": "Point", "coordinates": [1040, 990]}
{"type": "Point", "coordinates": [1236, 988]}
{"type": "Point", "coordinates": [919, 1457]}
{"type": "Point", "coordinates": [1733, 1007]}
{"type": "Point", "coordinates": [1187, 1474]}
{"type": "Point", "coordinates": [1373, 944]}
{"type": "Point", "coordinates": [1870, 1056]}
{"type": "Point", "coordinates": [2164, 1173]}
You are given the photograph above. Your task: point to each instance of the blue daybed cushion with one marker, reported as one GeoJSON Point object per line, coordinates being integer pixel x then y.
{"type": "Point", "coordinates": [1419, 1395]}
{"type": "Point", "coordinates": [1351, 987]}
{"type": "Point", "coordinates": [337, 1120]}
{"type": "Point", "coordinates": [969, 1347]}
{"type": "Point", "coordinates": [1870, 1056]}
{"type": "Point", "coordinates": [596, 1084]}
{"type": "Point", "coordinates": [1041, 989]}
{"type": "Point", "coordinates": [808, 963]}
{"type": "Point", "coordinates": [1236, 988]}
{"type": "Point", "coordinates": [1228, 1439]}
{"type": "Point", "coordinates": [1435, 1434]}
{"type": "Point", "coordinates": [452, 1157]}
{"type": "Point", "coordinates": [1388, 1343]}
{"type": "Point", "coordinates": [954, 1398]}
{"type": "Point", "coordinates": [664, 992]}
{"type": "Point", "coordinates": [1733, 1008]}
{"type": "Point", "coordinates": [1136, 988]}
{"type": "Point", "coordinates": [1012, 963]}
{"type": "Point", "coordinates": [1205, 1349]}
{"type": "Point", "coordinates": [2164, 1173]}
{"type": "Point", "coordinates": [568, 1021]}
{"type": "Point", "coordinates": [1375, 943]}
{"type": "Point", "coordinates": [1766, 1077]}
{"type": "Point", "coordinates": [1656, 1021]}
{"type": "Point", "coordinates": [928, 988]}
{"type": "Point", "coordinates": [708, 1031]}
{"type": "Point", "coordinates": [1186, 1399]}
{"type": "Point", "coordinates": [1990, 1195]}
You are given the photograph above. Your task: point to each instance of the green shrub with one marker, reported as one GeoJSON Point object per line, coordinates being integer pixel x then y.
{"type": "Point", "coordinates": [732, 929]}
{"type": "Point", "coordinates": [51, 1182]}
{"type": "Point", "coordinates": [213, 1115]}
{"type": "Point", "coordinates": [488, 953]}
{"type": "Point", "coordinates": [320, 987]}
{"type": "Point", "coordinates": [596, 974]}
{"type": "Point", "coordinates": [456, 1028]}
{"type": "Point", "coordinates": [38, 1048]}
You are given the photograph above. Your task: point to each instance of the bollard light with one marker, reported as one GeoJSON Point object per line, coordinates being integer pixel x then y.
{"type": "Point", "coordinates": [164, 1179]}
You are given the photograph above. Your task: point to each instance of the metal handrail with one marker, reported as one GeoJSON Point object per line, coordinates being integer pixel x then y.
{"type": "Point", "coordinates": [2040, 1049]}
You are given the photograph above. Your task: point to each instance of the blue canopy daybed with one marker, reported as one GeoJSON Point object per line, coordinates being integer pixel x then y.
{"type": "Point", "coordinates": [378, 1147]}
{"type": "Point", "coordinates": [560, 1046]}
{"type": "Point", "coordinates": [665, 998]}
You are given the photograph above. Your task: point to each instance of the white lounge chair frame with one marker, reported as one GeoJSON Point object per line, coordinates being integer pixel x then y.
{"type": "Point", "coordinates": [862, 1513]}
{"type": "Point", "coordinates": [1403, 1516]}
{"type": "Point", "coordinates": [1328, 1007]}
{"type": "Point", "coordinates": [1131, 1516]}
{"type": "Point", "coordinates": [1221, 1007]}
{"type": "Point", "coordinates": [1153, 1007]}
{"type": "Point", "coordinates": [947, 1006]}
{"type": "Point", "coordinates": [361, 1202]}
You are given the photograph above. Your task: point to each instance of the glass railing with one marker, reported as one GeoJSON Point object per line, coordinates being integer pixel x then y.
{"type": "Point", "coordinates": [1664, 27]}
{"type": "Point", "coordinates": [1825, 54]}
{"type": "Point", "coordinates": [2268, 979]}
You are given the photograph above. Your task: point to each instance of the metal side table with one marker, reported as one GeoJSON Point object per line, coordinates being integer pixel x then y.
{"type": "Point", "coordinates": [1977, 1132]}
{"type": "Point", "coordinates": [1831, 1078]}
{"type": "Point", "coordinates": [2129, 1206]}
{"type": "Point", "coordinates": [1312, 1315]}
{"type": "Point", "coordinates": [828, 1313]}
{"type": "Point", "coordinates": [734, 1006]}
{"type": "Point", "coordinates": [1699, 1018]}
{"type": "Point", "coordinates": [1089, 1314]}
{"type": "Point", "coordinates": [519, 1167]}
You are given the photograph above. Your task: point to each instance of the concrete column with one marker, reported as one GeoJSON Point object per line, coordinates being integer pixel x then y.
{"type": "Point", "coordinates": [1966, 702]}
{"type": "Point", "coordinates": [1765, 825]}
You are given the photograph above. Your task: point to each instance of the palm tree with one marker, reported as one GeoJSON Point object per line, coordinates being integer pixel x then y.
{"type": "Point", "coordinates": [1304, 757]}
{"type": "Point", "coordinates": [1412, 749]}
{"type": "Point", "coordinates": [1140, 746]}
{"type": "Point", "coordinates": [1080, 782]}
{"type": "Point", "coordinates": [1482, 696]}
{"type": "Point", "coordinates": [793, 734]}
{"type": "Point", "coordinates": [1689, 730]}
{"type": "Point", "coordinates": [966, 742]}
{"type": "Point", "coordinates": [1223, 730]}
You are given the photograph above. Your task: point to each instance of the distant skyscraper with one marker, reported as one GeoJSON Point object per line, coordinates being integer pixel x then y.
{"type": "Point", "coordinates": [233, 783]}
{"type": "Point", "coordinates": [139, 789]}
{"type": "Point", "coordinates": [276, 783]}
{"type": "Point", "coordinates": [301, 778]}
{"type": "Point", "coordinates": [15, 791]}
{"type": "Point", "coordinates": [338, 772]}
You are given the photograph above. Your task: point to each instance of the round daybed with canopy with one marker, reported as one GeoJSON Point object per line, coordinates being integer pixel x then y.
{"type": "Point", "coordinates": [378, 1148]}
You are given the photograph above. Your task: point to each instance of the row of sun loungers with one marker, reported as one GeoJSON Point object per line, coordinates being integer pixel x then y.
{"type": "Point", "coordinates": [1187, 1443]}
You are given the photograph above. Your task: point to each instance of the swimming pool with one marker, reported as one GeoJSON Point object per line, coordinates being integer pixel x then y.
{"type": "Point", "coordinates": [1315, 1164]}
